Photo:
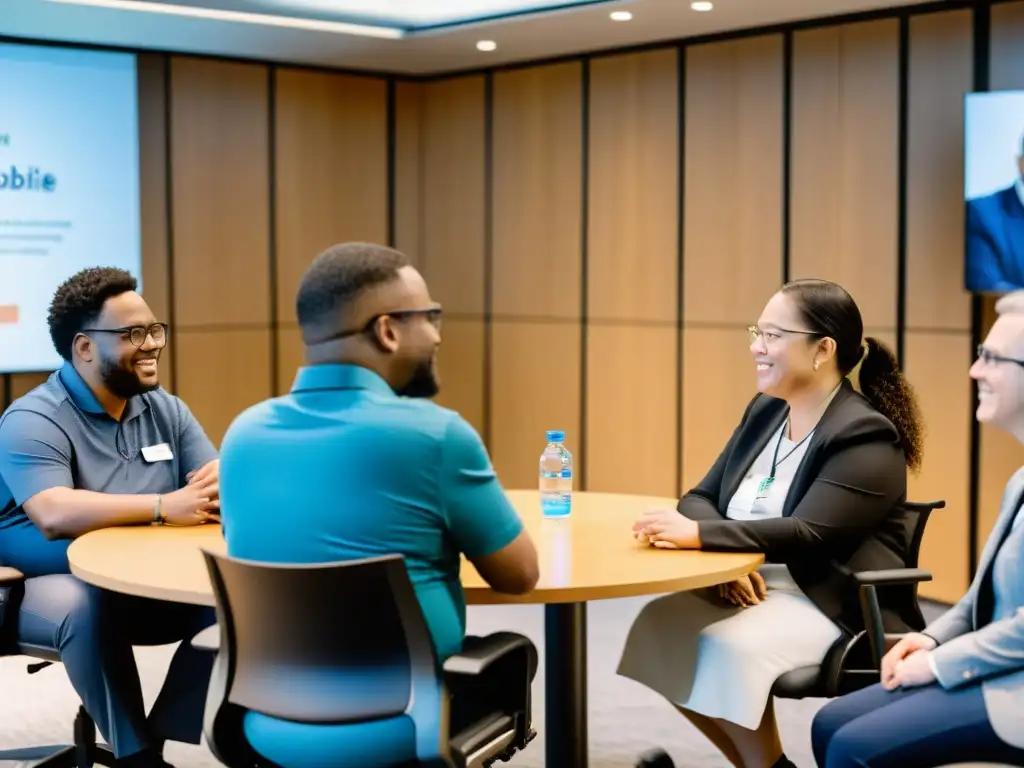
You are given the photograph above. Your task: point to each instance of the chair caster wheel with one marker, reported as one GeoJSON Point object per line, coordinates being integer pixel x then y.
{"type": "Point", "coordinates": [655, 758]}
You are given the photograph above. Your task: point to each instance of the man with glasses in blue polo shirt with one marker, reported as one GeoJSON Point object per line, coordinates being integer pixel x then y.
{"type": "Point", "coordinates": [356, 462]}
{"type": "Point", "coordinates": [100, 444]}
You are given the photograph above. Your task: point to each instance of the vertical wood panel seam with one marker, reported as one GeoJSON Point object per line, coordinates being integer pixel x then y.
{"type": "Point", "coordinates": [841, 132]}
{"type": "Point", "coordinates": [392, 140]}
{"type": "Point", "coordinates": [488, 255]}
{"type": "Point", "coordinates": [274, 341]}
{"type": "Point", "coordinates": [680, 249]}
{"type": "Point", "coordinates": [903, 113]}
{"type": "Point", "coordinates": [981, 51]}
{"type": "Point", "coordinates": [787, 148]}
{"type": "Point", "coordinates": [172, 311]}
{"type": "Point", "coordinates": [581, 466]}
{"type": "Point", "coordinates": [421, 179]}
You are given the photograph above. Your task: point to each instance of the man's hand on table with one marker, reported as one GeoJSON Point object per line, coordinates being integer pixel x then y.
{"type": "Point", "coordinates": [199, 501]}
{"type": "Point", "coordinates": [210, 469]}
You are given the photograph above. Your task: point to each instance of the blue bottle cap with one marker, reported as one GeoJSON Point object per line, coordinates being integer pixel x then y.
{"type": "Point", "coordinates": [555, 435]}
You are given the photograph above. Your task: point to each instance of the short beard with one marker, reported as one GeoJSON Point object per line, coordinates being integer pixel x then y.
{"type": "Point", "coordinates": [122, 382]}
{"type": "Point", "coordinates": [422, 384]}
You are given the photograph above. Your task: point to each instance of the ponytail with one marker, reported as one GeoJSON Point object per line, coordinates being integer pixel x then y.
{"type": "Point", "coordinates": [885, 387]}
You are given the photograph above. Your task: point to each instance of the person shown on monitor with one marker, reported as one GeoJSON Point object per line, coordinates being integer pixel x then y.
{"type": "Point", "coordinates": [995, 238]}
{"type": "Point", "coordinates": [100, 444]}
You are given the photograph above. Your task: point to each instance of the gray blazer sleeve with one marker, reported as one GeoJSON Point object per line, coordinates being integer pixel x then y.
{"type": "Point", "coordinates": [991, 650]}
{"type": "Point", "coordinates": [958, 620]}
{"type": "Point", "coordinates": [965, 654]}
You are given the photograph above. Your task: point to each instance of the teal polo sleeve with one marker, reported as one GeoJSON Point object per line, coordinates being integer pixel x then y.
{"type": "Point", "coordinates": [480, 517]}
{"type": "Point", "coordinates": [35, 455]}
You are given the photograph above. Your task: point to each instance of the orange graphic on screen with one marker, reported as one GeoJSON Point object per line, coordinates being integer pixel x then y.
{"type": "Point", "coordinates": [8, 313]}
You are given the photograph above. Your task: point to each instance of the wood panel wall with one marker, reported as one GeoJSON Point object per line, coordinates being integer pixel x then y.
{"type": "Point", "coordinates": [732, 221]}
{"type": "Point", "coordinates": [632, 273]}
{"type": "Point", "coordinates": [938, 318]}
{"type": "Point", "coordinates": [535, 276]}
{"type": "Point", "coordinates": [440, 213]}
{"type": "Point", "coordinates": [600, 231]}
{"type": "Point", "coordinates": [220, 215]}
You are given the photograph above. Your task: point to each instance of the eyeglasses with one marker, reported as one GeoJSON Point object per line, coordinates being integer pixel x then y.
{"type": "Point", "coordinates": [137, 334]}
{"type": "Point", "coordinates": [988, 356]}
{"type": "Point", "coordinates": [432, 314]}
{"type": "Point", "coordinates": [756, 333]}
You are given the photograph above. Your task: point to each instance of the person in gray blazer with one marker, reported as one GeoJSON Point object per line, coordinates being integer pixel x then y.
{"type": "Point", "coordinates": [955, 692]}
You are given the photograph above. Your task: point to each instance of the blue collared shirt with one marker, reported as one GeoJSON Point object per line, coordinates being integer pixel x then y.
{"type": "Point", "coordinates": [58, 435]}
{"type": "Point", "coordinates": [343, 468]}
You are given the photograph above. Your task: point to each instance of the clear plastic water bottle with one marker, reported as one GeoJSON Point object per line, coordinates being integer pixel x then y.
{"type": "Point", "coordinates": [555, 477]}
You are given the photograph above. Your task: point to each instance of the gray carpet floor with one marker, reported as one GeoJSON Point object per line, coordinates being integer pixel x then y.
{"type": "Point", "coordinates": [625, 718]}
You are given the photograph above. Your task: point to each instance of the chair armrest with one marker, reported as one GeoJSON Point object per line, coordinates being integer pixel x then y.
{"type": "Point", "coordinates": [892, 576]}
{"type": "Point", "coordinates": [208, 639]}
{"type": "Point", "coordinates": [869, 582]}
{"type": "Point", "coordinates": [10, 575]}
{"type": "Point", "coordinates": [501, 666]}
{"type": "Point", "coordinates": [480, 653]}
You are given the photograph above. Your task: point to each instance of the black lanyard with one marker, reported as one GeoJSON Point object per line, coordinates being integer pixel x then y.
{"type": "Point", "coordinates": [775, 459]}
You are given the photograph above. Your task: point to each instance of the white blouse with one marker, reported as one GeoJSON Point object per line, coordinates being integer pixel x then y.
{"type": "Point", "coordinates": [746, 505]}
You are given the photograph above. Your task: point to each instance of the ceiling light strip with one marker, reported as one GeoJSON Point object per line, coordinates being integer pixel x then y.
{"type": "Point", "coordinates": [337, 27]}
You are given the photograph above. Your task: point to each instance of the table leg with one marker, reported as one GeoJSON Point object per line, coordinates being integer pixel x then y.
{"type": "Point", "coordinates": [565, 685]}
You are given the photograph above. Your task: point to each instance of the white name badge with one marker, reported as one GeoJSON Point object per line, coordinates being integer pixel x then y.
{"type": "Point", "coordinates": [160, 452]}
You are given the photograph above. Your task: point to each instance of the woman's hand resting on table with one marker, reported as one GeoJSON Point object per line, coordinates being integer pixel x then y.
{"type": "Point", "coordinates": [745, 591]}
{"type": "Point", "coordinates": [667, 529]}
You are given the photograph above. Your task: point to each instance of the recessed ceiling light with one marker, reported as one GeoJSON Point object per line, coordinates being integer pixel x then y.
{"type": "Point", "coordinates": [702, 5]}
{"type": "Point", "coordinates": [621, 15]}
{"type": "Point", "coordinates": [486, 45]}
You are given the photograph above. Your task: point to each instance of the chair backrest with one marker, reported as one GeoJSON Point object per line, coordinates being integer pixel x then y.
{"type": "Point", "coordinates": [915, 522]}
{"type": "Point", "coordinates": [11, 587]}
{"type": "Point", "coordinates": [327, 644]}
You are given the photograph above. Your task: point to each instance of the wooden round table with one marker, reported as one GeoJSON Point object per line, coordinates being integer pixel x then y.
{"type": "Point", "coordinates": [591, 555]}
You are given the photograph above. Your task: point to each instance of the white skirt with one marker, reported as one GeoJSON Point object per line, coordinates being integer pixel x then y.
{"type": "Point", "coordinates": [718, 660]}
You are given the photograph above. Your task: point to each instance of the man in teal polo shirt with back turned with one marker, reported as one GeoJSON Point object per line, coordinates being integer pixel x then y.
{"type": "Point", "coordinates": [356, 462]}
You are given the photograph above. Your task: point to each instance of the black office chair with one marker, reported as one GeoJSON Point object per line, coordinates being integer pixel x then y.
{"type": "Point", "coordinates": [85, 751]}
{"type": "Point", "coordinates": [853, 662]}
{"type": "Point", "coordinates": [347, 643]}
{"type": "Point", "coordinates": [856, 662]}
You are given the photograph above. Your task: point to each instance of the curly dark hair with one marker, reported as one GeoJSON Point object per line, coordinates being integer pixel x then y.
{"type": "Point", "coordinates": [79, 301]}
{"type": "Point", "coordinates": [336, 278]}
{"type": "Point", "coordinates": [830, 311]}
{"type": "Point", "coordinates": [891, 393]}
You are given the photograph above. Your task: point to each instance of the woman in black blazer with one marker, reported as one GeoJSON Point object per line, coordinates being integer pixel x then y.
{"type": "Point", "coordinates": [814, 477]}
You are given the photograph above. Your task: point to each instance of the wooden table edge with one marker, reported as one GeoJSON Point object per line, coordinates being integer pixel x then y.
{"type": "Point", "coordinates": [167, 594]}
{"type": "Point", "coordinates": [479, 595]}
{"type": "Point", "coordinates": [482, 595]}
